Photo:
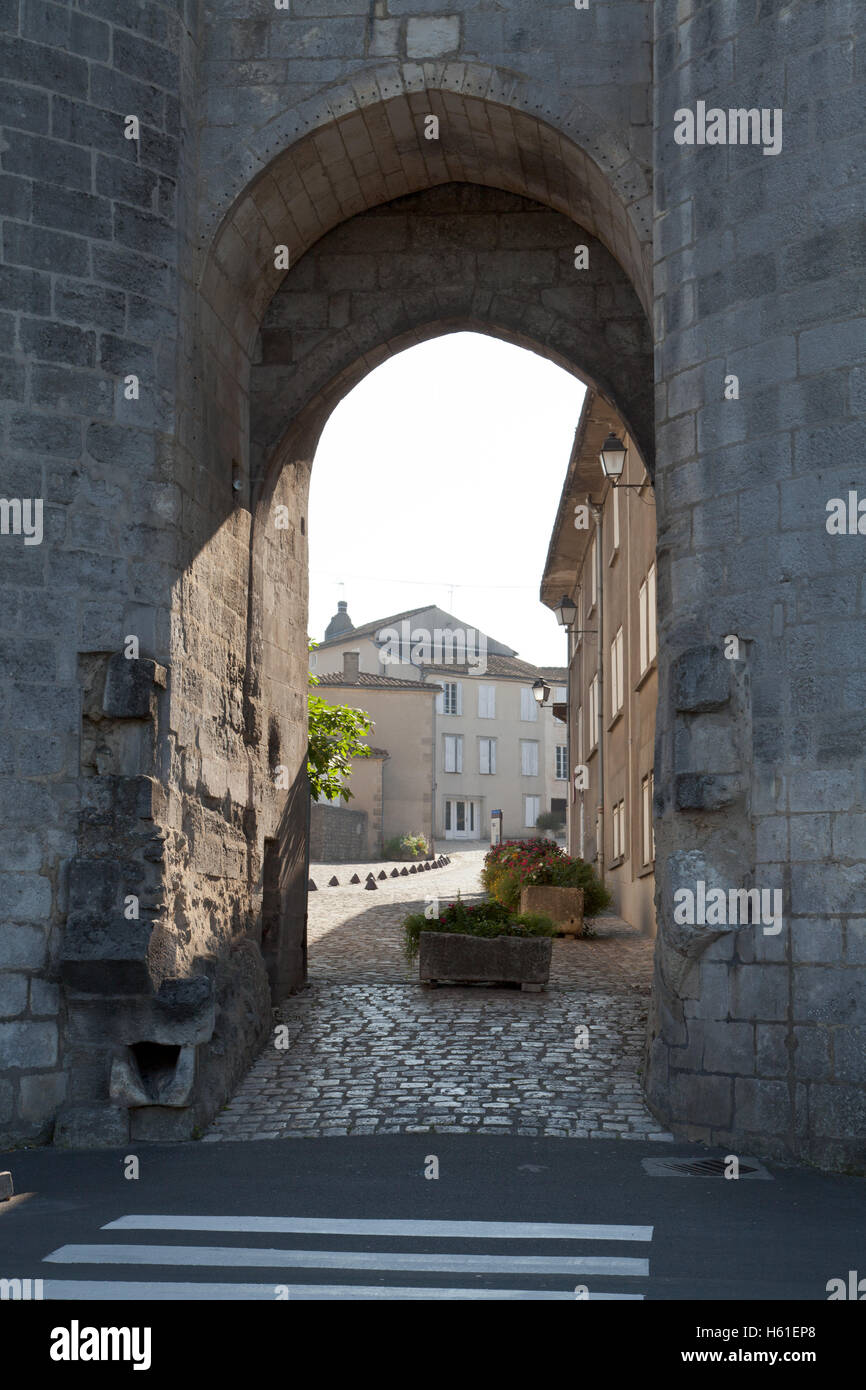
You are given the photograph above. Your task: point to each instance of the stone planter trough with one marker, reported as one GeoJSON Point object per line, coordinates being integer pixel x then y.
{"type": "Point", "coordinates": [450, 957]}
{"type": "Point", "coordinates": [563, 905]}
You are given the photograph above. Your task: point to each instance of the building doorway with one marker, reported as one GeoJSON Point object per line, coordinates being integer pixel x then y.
{"type": "Point", "coordinates": [461, 819]}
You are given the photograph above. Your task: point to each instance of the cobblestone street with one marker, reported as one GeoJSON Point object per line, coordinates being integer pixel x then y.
{"type": "Point", "coordinates": [373, 1052]}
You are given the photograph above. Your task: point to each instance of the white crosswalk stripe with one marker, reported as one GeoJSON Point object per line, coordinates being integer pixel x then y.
{"type": "Point", "coordinates": [331, 1226]}
{"type": "Point", "coordinates": [480, 1266]}
{"type": "Point", "coordinates": [82, 1289]}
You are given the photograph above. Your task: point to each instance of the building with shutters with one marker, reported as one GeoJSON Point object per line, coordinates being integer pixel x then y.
{"type": "Point", "coordinates": [495, 748]}
{"type": "Point", "coordinates": [612, 681]}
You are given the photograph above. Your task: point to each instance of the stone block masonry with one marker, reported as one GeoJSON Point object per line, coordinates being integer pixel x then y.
{"type": "Point", "coordinates": [163, 385]}
{"type": "Point", "coordinates": [752, 288]}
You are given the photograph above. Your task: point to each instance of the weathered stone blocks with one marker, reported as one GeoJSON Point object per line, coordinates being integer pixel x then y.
{"type": "Point", "coordinates": [445, 956]}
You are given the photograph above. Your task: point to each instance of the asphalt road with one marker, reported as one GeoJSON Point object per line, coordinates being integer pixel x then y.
{"type": "Point", "coordinates": [290, 1220]}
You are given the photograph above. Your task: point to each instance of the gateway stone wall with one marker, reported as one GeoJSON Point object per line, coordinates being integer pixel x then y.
{"type": "Point", "coordinates": [152, 790]}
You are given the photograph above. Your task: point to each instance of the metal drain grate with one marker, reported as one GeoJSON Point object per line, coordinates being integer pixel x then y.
{"type": "Point", "coordinates": [702, 1168]}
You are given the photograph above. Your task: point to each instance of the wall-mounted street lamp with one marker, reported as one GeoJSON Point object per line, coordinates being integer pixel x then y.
{"type": "Point", "coordinates": [566, 611]}
{"type": "Point", "coordinates": [541, 691]}
{"type": "Point", "coordinates": [612, 459]}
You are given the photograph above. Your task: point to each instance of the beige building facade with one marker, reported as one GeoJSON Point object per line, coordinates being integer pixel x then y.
{"type": "Point", "coordinates": [395, 785]}
{"type": "Point", "coordinates": [603, 557]}
{"type": "Point", "coordinates": [496, 749]}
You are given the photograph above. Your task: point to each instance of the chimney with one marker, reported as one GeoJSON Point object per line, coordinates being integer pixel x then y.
{"type": "Point", "coordinates": [351, 661]}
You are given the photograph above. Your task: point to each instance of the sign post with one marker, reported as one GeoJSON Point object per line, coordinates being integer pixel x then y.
{"type": "Point", "coordinates": [495, 828]}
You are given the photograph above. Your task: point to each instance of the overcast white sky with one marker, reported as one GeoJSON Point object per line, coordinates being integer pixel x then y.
{"type": "Point", "coordinates": [444, 468]}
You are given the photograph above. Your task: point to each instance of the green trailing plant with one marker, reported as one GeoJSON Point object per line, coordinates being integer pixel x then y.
{"type": "Point", "coordinates": [481, 919]}
{"type": "Point", "coordinates": [336, 737]}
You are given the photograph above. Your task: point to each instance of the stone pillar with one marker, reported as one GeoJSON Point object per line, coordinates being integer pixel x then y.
{"type": "Point", "coordinates": [758, 1038]}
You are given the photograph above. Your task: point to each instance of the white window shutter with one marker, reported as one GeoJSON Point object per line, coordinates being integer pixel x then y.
{"type": "Point", "coordinates": [440, 698]}
{"type": "Point", "coordinates": [493, 755]}
{"type": "Point", "coordinates": [643, 623]}
{"type": "Point", "coordinates": [459, 697]}
{"type": "Point", "coordinates": [484, 755]}
{"type": "Point", "coordinates": [458, 743]}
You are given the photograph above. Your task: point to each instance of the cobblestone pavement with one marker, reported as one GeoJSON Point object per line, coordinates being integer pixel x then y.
{"type": "Point", "coordinates": [371, 1051]}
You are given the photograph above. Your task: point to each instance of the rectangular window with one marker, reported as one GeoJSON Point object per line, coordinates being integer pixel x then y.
{"type": "Point", "coordinates": [487, 702]}
{"type": "Point", "coordinates": [592, 731]}
{"type": "Point", "coordinates": [617, 682]}
{"type": "Point", "coordinates": [531, 810]}
{"type": "Point", "coordinates": [528, 704]}
{"type": "Point", "coordinates": [642, 622]}
{"type": "Point", "coordinates": [615, 511]}
{"type": "Point", "coordinates": [647, 618]}
{"type": "Point", "coordinates": [580, 734]}
{"type": "Point", "coordinates": [618, 823]}
{"type": "Point", "coordinates": [452, 698]}
{"type": "Point", "coordinates": [561, 762]}
{"type": "Point", "coordinates": [453, 752]}
{"type": "Point", "coordinates": [593, 578]}
{"type": "Point", "coordinates": [648, 849]}
{"type": "Point", "coordinates": [560, 694]}
{"type": "Point", "coordinates": [651, 612]}
{"type": "Point", "coordinates": [528, 758]}
{"type": "Point", "coordinates": [487, 755]}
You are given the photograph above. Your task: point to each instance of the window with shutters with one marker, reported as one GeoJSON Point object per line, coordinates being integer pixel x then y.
{"type": "Point", "coordinates": [647, 619]}
{"type": "Point", "coordinates": [487, 702]}
{"type": "Point", "coordinates": [528, 704]}
{"type": "Point", "coordinates": [617, 680]}
{"type": "Point", "coordinates": [618, 830]}
{"type": "Point", "coordinates": [487, 755]}
{"type": "Point", "coordinates": [614, 506]}
{"type": "Point", "coordinates": [531, 810]}
{"type": "Point", "coordinates": [528, 757]}
{"type": "Point", "coordinates": [593, 577]}
{"type": "Point", "coordinates": [451, 697]}
{"type": "Point", "coordinates": [592, 712]}
{"type": "Point", "coordinates": [453, 752]}
{"type": "Point", "coordinates": [580, 734]}
{"type": "Point", "coordinates": [648, 849]}
{"type": "Point", "coordinates": [561, 762]}
{"type": "Point", "coordinates": [651, 612]}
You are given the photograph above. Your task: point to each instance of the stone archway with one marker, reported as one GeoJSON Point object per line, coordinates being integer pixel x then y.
{"type": "Point", "coordinates": [261, 386]}
{"type": "Point", "coordinates": [591, 323]}
{"type": "Point", "coordinates": [263, 127]}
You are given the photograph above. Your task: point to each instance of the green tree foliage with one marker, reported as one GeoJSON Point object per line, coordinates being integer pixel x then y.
{"type": "Point", "coordinates": [336, 737]}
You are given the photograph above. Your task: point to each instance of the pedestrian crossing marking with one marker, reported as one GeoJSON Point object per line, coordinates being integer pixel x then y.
{"type": "Point", "coordinates": [331, 1226]}
{"type": "Point", "coordinates": [246, 1257]}
{"type": "Point", "coordinates": [375, 1264]}
{"type": "Point", "coordinates": [98, 1290]}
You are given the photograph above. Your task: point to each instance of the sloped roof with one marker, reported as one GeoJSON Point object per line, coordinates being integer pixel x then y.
{"type": "Point", "coordinates": [501, 667]}
{"type": "Point", "coordinates": [375, 682]}
{"type": "Point", "coordinates": [371, 629]}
